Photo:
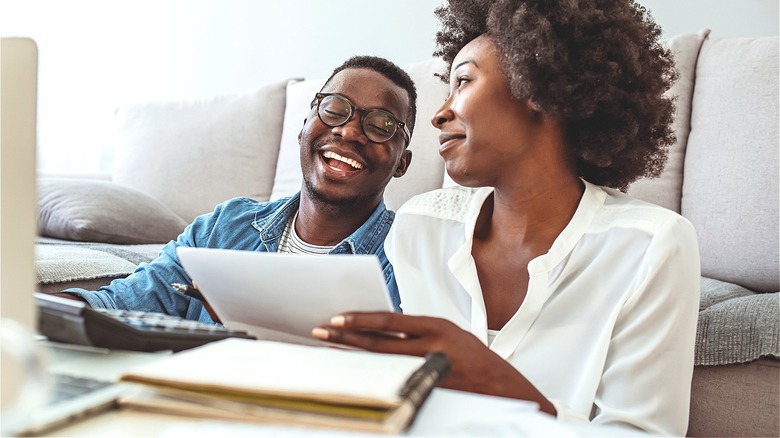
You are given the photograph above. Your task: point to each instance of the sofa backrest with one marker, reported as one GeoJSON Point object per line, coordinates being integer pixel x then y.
{"type": "Point", "coordinates": [722, 173]}
{"type": "Point", "coordinates": [193, 154]}
{"type": "Point", "coordinates": [730, 188]}
{"type": "Point", "coordinates": [426, 172]}
{"type": "Point", "coordinates": [666, 190]}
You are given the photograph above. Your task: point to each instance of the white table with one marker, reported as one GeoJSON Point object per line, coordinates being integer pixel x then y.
{"type": "Point", "coordinates": [445, 413]}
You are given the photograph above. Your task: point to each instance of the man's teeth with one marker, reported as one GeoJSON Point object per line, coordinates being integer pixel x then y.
{"type": "Point", "coordinates": [335, 156]}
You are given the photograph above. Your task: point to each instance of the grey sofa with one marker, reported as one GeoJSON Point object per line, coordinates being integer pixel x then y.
{"type": "Point", "coordinates": [722, 175]}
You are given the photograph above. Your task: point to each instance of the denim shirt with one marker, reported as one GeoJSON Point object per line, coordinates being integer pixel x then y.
{"type": "Point", "coordinates": [241, 224]}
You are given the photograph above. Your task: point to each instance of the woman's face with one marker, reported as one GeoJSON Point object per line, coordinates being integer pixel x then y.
{"type": "Point", "coordinates": [486, 134]}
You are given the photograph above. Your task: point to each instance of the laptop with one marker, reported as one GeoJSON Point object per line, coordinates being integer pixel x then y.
{"type": "Point", "coordinates": [280, 296]}
{"type": "Point", "coordinates": [68, 396]}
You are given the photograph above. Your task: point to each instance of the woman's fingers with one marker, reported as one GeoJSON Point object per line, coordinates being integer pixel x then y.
{"type": "Point", "coordinates": [389, 322]}
{"type": "Point", "coordinates": [369, 340]}
{"type": "Point", "coordinates": [391, 332]}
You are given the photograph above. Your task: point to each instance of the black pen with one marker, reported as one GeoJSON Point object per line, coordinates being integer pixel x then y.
{"type": "Point", "coordinates": [194, 292]}
{"type": "Point", "coordinates": [190, 291]}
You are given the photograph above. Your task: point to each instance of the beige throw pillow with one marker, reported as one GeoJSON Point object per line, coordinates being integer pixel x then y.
{"type": "Point", "coordinates": [191, 155]}
{"type": "Point", "coordinates": [102, 211]}
{"type": "Point", "coordinates": [288, 178]}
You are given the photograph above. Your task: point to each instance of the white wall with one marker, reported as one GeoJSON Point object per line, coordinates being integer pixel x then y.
{"type": "Point", "coordinates": [726, 18]}
{"type": "Point", "coordinates": [96, 54]}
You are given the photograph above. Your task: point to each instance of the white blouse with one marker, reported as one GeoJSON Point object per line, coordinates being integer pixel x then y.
{"type": "Point", "coordinates": [606, 331]}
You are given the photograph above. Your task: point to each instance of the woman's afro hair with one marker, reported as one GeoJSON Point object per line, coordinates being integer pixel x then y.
{"type": "Point", "coordinates": [596, 65]}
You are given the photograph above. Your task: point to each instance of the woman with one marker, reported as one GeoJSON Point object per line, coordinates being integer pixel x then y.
{"type": "Point", "coordinates": [543, 281]}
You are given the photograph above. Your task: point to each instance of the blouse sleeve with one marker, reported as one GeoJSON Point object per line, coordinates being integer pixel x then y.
{"type": "Point", "coordinates": [646, 381]}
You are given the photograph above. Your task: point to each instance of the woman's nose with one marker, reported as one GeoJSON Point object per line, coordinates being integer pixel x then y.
{"type": "Point", "coordinates": [442, 115]}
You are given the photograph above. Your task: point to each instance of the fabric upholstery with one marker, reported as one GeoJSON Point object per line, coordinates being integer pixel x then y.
{"type": "Point", "coordinates": [288, 178]}
{"type": "Point", "coordinates": [194, 154]}
{"type": "Point", "coordinates": [103, 211]}
{"type": "Point", "coordinates": [731, 187]}
{"type": "Point", "coordinates": [736, 400]}
{"type": "Point", "coordinates": [427, 168]}
{"type": "Point", "coordinates": [666, 189]}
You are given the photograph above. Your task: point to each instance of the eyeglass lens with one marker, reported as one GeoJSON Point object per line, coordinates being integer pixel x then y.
{"type": "Point", "coordinates": [378, 125]}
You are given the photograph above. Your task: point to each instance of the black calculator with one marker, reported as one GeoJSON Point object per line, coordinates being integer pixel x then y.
{"type": "Point", "coordinates": [73, 322]}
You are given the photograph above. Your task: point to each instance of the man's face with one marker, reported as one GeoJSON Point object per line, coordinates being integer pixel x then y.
{"type": "Point", "coordinates": [341, 166]}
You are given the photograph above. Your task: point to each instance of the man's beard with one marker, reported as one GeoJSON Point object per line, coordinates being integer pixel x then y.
{"type": "Point", "coordinates": [337, 205]}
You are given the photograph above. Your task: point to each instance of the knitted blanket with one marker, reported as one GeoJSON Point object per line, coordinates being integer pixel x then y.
{"type": "Point", "coordinates": [736, 325]}
{"type": "Point", "coordinates": [59, 261]}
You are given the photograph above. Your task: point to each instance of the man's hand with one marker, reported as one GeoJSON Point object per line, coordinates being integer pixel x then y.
{"type": "Point", "coordinates": [475, 368]}
{"type": "Point", "coordinates": [71, 297]}
{"type": "Point", "coordinates": [194, 292]}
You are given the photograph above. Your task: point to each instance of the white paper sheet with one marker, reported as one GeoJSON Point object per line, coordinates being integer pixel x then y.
{"type": "Point", "coordinates": [284, 296]}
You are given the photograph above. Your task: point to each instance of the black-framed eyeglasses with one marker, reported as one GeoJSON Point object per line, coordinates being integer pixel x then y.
{"type": "Point", "coordinates": [378, 125]}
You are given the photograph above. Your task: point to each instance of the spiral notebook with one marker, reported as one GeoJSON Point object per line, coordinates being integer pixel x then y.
{"type": "Point", "coordinates": [274, 382]}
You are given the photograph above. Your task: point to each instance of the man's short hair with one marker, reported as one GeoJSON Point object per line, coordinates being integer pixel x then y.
{"type": "Point", "coordinates": [389, 70]}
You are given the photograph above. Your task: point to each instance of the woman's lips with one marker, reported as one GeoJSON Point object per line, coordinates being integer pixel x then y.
{"type": "Point", "coordinates": [447, 137]}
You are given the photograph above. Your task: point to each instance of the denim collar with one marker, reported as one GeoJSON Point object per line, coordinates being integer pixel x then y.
{"type": "Point", "coordinates": [367, 239]}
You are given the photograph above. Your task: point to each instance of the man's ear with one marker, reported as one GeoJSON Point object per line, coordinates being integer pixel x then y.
{"type": "Point", "coordinates": [300, 133]}
{"type": "Point", "coordinates": [403, 163]}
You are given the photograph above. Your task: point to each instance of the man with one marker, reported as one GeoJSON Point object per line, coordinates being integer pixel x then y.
{"type": "Point", "coordinates": [353, 141]}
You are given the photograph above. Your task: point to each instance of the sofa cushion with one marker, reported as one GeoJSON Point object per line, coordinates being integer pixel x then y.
{"type": "Point", "coordinates": [426, 171]}
{"type": "Point", "coordinates": [736, 325]}
{"type": "Point", "coordinates": [427, 168]}
{"type": "Point", "coordinates": [194, 154]}
{"type": "Point", "coordinates": [103, 211]}
{"type": "Point", "coordinates": [731, 190]}
{"type": "Point", "coordinates": [667, 188]}
{"type": "Point", "coordinates": [288, 178]}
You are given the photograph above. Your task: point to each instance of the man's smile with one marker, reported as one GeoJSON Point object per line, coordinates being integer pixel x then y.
{"type": "Point", "coordinates": [341, 163]}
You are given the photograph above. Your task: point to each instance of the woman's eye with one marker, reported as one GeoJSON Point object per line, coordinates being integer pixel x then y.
{"type": "Point", "coordinates": [461, 80]}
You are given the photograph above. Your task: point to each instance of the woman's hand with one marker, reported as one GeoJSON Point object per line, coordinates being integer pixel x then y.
{"type": "Point", "coordinates": [475, 368]}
